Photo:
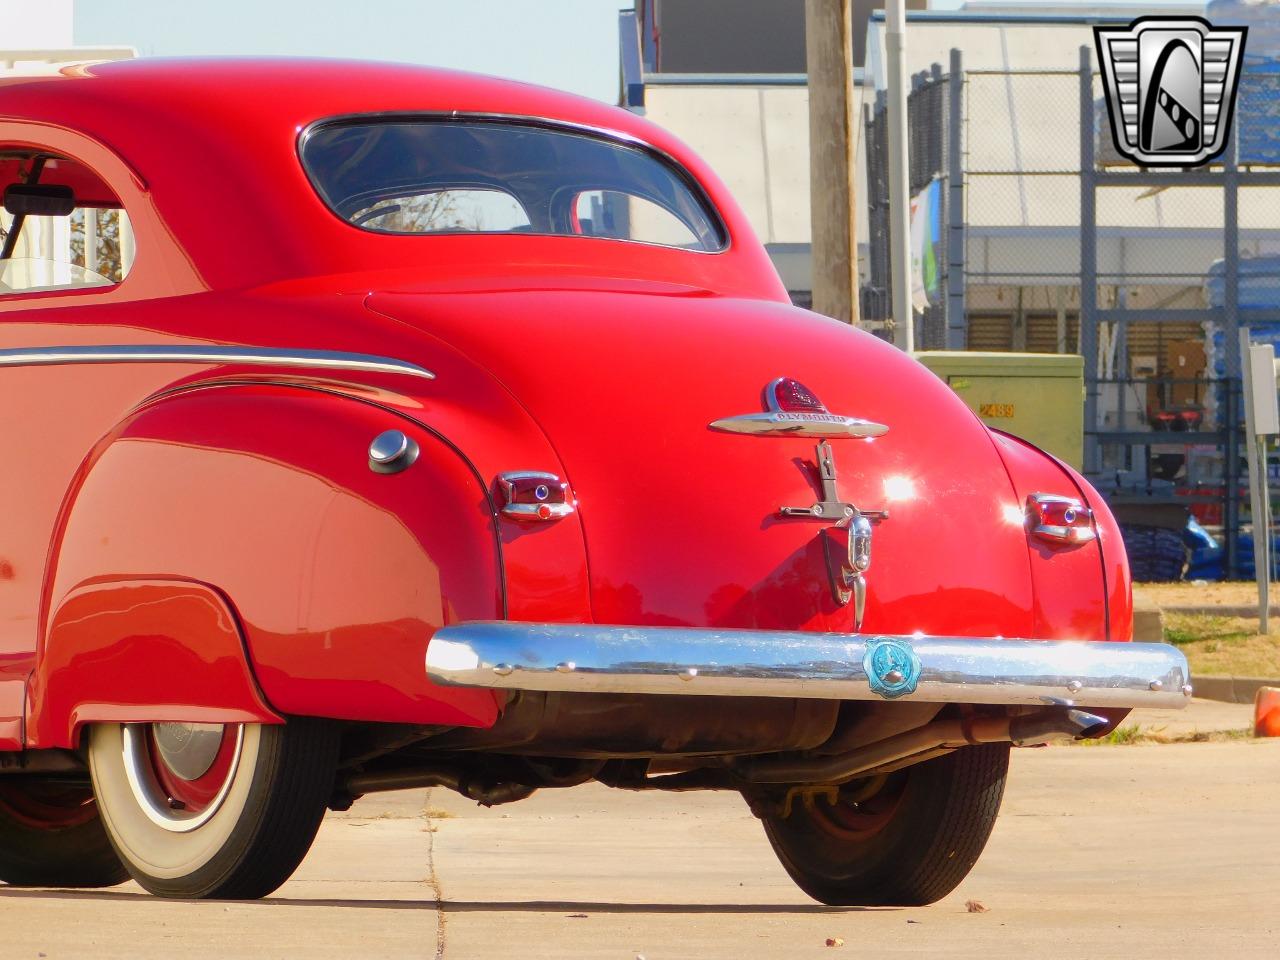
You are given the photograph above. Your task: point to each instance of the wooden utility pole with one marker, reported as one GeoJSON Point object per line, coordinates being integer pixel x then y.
{"type": "Point", "coordinates": [833, 138]}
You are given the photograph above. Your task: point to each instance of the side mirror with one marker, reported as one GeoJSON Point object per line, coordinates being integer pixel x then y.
{"type": "Point", "coordinates": [39, 200]}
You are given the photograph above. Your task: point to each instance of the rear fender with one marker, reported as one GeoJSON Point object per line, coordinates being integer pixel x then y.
{"type": "Point", "coordinates": [1072, 595]}
{"type": "Point", "coordinates": [1115, 561]}
{"type": "Point", "coordinates": [143, 650]}
{"type": "Point", "coordinates": [337, 575]}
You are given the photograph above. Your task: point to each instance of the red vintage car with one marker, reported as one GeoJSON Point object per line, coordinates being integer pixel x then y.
{"type": "Point", "coordinates": [369, 427]}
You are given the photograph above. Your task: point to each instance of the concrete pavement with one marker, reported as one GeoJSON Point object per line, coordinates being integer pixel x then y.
{"type": "Point", "coordinates": [1111, 851]}
{"type": "Point", "coordinates": [1121, 851]}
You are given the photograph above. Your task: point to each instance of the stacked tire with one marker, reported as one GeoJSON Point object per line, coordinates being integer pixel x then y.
{"type": "Point", "coordinates": [1156, 554]}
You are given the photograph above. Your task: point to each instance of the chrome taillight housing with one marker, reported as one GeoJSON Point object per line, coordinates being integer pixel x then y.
{"type": "Point", "coordinates": [533, 495]}
{"type": "Point", "coordinates": [791, 396]}
{"type": "Point", "coordinates": [1058, 519]}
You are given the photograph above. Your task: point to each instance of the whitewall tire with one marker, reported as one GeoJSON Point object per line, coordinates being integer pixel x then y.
{"type": "Point", "coordinates": [201, 810]}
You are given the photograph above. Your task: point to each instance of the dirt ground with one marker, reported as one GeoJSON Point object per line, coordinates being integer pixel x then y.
{"type": "Point", "coordinates": [1202, 594]}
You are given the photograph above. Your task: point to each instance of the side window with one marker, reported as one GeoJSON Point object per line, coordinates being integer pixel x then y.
{"type": "Point", "coordinates": [61, 228]}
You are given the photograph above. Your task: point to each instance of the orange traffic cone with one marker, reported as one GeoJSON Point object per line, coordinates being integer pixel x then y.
{"type": "Point", "coordinates": [1266, 712]}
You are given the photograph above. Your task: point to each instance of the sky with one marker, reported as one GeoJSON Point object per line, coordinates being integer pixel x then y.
{"type": "Point", "coordinates": [570, 44]}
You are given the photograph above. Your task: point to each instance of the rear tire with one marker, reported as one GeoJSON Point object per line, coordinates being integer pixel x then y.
{"type": "Point", "coordinates": [238, 837]}
{"type": "Point", "coordinates": [51, 836]}
{"type": "Point", "coordinates": [905, 839]}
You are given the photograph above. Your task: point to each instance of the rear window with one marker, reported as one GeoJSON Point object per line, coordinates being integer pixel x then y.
{"type": "Point", "coordinates": [447, 176]}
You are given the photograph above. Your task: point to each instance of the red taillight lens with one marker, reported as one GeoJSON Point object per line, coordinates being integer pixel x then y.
{"type": "Point", "coordinates": [1058, 519]}
{"type": "Point", "coordinates": [791, 396]}
{"type": "Point", "coordinates": [531, 495]}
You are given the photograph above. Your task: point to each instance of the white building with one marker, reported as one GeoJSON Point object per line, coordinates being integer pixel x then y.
{"type": "Point", "coordinates": [38, 39]}
{"type": "Point", "coordinates": [1023, 124]}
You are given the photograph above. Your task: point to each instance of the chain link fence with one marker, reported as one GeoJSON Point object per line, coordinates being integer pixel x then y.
{"type": "Point", "coordinates": [930, 137]}
{"type": "Point", "coordinates": [1045, 239]}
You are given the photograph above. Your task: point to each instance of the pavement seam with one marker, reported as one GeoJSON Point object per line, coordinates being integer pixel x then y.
{"type": "Point", "coordinates": [433, 879]}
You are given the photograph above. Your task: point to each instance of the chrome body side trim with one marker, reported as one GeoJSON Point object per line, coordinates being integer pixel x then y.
{"type": "Point", "coordinates": [202, 353]}
{"type": "Point", "coordinates": [766, 663]}
{"type": "Point", "coordinates": [775, 423]}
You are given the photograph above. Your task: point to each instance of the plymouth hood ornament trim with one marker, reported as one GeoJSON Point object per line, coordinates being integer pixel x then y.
{"type": "Point", "coordinates": [794, 411]}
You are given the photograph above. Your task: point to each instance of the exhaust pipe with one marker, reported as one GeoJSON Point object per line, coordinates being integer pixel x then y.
{"type": "Point", "coordinates": [485, 794]}
{"type": "Point", "coordinates": [1037, 728]}
{"type": "Point", "coordinates": [940, 736]}
{"type": "Point", "coordinates": [913, 746]}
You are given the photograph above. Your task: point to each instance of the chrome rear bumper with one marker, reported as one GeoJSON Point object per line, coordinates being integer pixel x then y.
{"type": "Point", "coordinates": [586, 658]}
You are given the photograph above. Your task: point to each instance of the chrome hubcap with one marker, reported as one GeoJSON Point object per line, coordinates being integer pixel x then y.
{"type": "Point", "coordinates": [188, 749]}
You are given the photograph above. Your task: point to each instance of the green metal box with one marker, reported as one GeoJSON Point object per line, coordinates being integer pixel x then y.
{"type": "Point", "coordinates": [1036, 396]}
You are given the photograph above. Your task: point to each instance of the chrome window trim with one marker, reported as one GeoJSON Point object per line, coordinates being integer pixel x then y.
{"type": "Point", "coordinates": [210, 354]}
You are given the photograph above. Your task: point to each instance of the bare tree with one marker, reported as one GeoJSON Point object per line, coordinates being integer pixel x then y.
{"type": "Point", "coordinates": [109, 263]}
{"type": "Point", "coordinates": [423, 213]}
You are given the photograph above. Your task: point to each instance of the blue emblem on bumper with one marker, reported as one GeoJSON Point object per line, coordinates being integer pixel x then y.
{"type": "Point", "coordinates": [892, 667]}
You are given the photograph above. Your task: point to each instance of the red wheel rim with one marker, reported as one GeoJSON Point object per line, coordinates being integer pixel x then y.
{"type": "Point", "coordinates": [47, 806]}
{"type": "Point", "coordinates": [862, 808]}
{"type": "Point", "coordinates": [195, 795]}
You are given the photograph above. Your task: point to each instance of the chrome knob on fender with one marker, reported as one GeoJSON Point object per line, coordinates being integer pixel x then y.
{"type": "Point", "coordinates": [392, 451]}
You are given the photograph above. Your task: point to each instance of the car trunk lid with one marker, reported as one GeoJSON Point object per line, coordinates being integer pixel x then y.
{"type": "Point", "coordinates": [683, 522]}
